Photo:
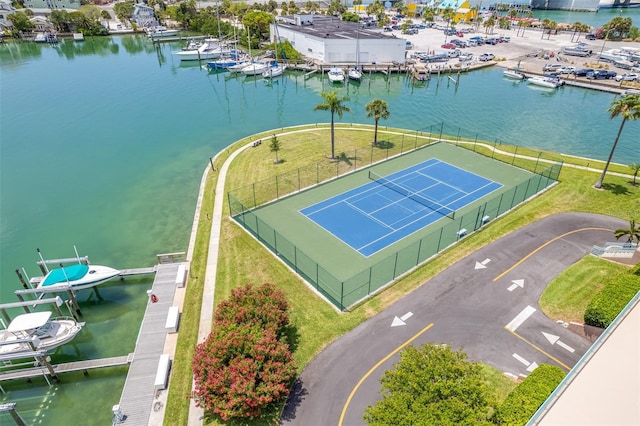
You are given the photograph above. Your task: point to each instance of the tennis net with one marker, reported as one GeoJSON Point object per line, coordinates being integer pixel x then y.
{"type": "Point", "coordinates": [436, 207]}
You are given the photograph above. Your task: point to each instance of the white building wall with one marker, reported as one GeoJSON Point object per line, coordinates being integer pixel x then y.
{"type": "Point", "coordinates": [330, 50]}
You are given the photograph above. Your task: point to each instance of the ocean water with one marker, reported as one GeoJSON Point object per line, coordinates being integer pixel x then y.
{"type": "Point", "coordinates": [103, 144]}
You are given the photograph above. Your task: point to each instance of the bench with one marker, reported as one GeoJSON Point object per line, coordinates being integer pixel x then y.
{"type": "Point", "coordinates": [485, 219]}
{"type": "Point", "coordinates": [162, 374]}
{"type": "Point", "coordinates": [462, 232]}
{"type": "Point", "coordinates": [173, 318]}
{"type": "Point", "coordinates": [180, 276]}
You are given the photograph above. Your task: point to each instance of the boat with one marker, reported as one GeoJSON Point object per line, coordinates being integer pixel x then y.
{"type": "Point", "coordinates": [275, 70]}
{"type": "Point", "coordinates": [336, 75]}
{"type": "Point", "coordinates": [208, 49]}
{"type": "Point", "coordinates": [608, 4]}
{"type": "Point", "coordinates": [255, 68]}
{"type": "Point", "coordinates": [37, 331]}
{"type": "Point", "coordinates": [354, 73]}
{"type": "Point", "coordinates": [160, 32]}
{"type": "Point", "coordinates": [239, 66]}
{"type": "Point", "coordinates": [421, 73]}
{"type": "Point", "coordinates": [78, 276]}
{"type": "Point", "coordinates": [543, 81]}
{"type": "Point", "coordinates": [581, 50]}
{"type": "Point", "coordinates": [575, 5]}
{"type": "Point", "coordinates": [513, 74]}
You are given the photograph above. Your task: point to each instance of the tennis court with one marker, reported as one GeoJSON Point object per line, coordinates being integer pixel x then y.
{"type": "Point", "coordinates": [373, 216]}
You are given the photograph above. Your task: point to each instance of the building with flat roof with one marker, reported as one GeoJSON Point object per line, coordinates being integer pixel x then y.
{"type": "Point", "coordinates": [329, 40]}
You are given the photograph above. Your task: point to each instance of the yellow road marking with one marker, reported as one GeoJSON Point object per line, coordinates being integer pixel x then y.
{"type": "Point", "coordinates": [538, 349]}
{"type": "Point", "coordinates": [355, 389]}
{"type": "Point", "coordinates": [543, 246]}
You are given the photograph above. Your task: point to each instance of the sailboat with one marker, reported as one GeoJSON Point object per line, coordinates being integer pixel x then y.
{"type": "Point", "coordinates": [276, 69]}
{"type": "Point", "coordinates": [354, 73]}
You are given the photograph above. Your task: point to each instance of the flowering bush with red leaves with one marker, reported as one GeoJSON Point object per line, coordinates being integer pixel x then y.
{"type": "Point", "coordinates": [245, 364]}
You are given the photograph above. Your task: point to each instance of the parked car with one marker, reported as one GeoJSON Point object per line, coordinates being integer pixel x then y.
{"type": "Point", "coordinates": [627, 76]}
{"type": "Point", "coordinates": [552, 67]}
{"type": "Point", "coordinates": [486, 57]}
{"type": "Point", "coordinates": [412, 31]}
{"type": "Point", "coordinates": [450, 31]}
{"type": "Point", "coordinates": [504, 39]}
{"type": "Point", "coordinates": [448, 46]}
{"type": "Point", "coordinates": [477, 40]}
{"type": "Point", "coordinates": [459, 43]}
{"type": "Point", "coordinates": [567, 70]}
{"type": "Point", "coordinates": [465, 57]}
{"type": "Point", "coordinates": [598, 75]}
{"type": "Point", "coordinates": [453, 53]}
{"type": "Point", "coordinates": [583, 72]}
{"type": "Point", "coordinates": [590, 36]}
{"type": "Point", "coordinates": [492, 41]}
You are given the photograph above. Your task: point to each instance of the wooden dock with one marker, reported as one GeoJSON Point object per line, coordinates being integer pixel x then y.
{"type": "Point", "coordinates": [68, 367]}
{"type": "Point", "coordinates": [137, 399]}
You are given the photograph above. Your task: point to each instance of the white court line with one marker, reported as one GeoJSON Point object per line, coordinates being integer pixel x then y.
{"type": "Point", "coordinates": [522, 317]}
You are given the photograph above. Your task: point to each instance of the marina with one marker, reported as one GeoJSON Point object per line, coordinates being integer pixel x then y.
{"type": "Point", "coordinates": [133, 212]}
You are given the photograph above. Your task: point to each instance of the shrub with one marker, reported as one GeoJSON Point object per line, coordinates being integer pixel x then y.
{"type": "Point", "coordinates": [607, 304]}
{"type": "Point", "coordinates": [529, 395]}
{"type": "Point", "coordinates": [245, 363]}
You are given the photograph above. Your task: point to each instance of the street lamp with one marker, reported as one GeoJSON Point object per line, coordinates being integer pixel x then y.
{"type": "Point", "coordinates": [604, 40]}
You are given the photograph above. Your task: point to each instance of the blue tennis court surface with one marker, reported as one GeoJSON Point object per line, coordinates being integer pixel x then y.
{"type": "Point", "coordinates": [373, 216]}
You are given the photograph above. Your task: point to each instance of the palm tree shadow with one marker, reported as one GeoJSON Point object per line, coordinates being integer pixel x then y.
{"type": "Point", "coordinates": [615, 189]}
{"type": "Point", "coordinates": [384, 145]}
{"type": "Point", "coordinates": [347, 160]}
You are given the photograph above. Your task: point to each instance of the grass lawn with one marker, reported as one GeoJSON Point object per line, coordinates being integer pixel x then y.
{"type": "Point", "coordinates": [242, 259]}
{"type": "Point", "coordinates": [567, 296]}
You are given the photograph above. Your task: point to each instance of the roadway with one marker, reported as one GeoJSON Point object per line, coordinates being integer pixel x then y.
{"type": "Point", "coordinates": [486, 303]}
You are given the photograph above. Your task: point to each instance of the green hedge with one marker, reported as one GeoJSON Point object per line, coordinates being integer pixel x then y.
{"type": "Point", "coordinates": [528, 396]}
{"type": "Point", "coordinates": [607, 304]}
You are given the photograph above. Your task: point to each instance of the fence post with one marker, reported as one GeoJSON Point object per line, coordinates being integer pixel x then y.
{"type": "Point", "coordinates": [254, 194]}
{"type": "Point", "coordinates": [441, 129]}
{"type": "Point", "coordinates": [299, 179]}
{"type": "Point", "coordinates": [277, 189]}
{"type": "Point", "coordinates": [475, 142]}
{"type": "Point", "coordinates": [395, 266]}
{"type": "Point", "coordinates": [514, 155]}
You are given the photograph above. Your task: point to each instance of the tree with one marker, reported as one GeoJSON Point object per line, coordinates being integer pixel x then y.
{"type": "Point", "coordinates": [123, 11]}
{"type": "Point", "coordinates": [106, 16]}
{"type": "Point", "coordinates": [618, 27]}
{"type": "Point", "coordinates": [636, 169]}
{"type": "Point", "coordinates": [632, 233]}
{"type": "Point", "coordinates": [628, 107]}
{"type": "Point", "coordinates": [257, 22]}
{"type": "Point", "coordinates": [377, 109]}
{"type": "Point", "coordinates": [336, 8]}
{"type": "Point", "coordinates": [20, 21]}
{"type": "Point", "coordinates": [335, 105]}
{"type": "Point", "coordinates": [275, 146]}
{"type": "Point", "coordinates": [432, 385]}
{"type": "Point", "coordinates": [488, 24]}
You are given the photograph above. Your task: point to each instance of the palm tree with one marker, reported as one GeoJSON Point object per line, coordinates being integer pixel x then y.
{"type": "Point", "coordinates": [629, 108]}
{"type": "Point", "coordinates": [632, 233]}
{"type": "Point", "coordinates": [636, 169]}
{"type": "Point", "coordinates": [336, 106]}
{"type": "Point", "coordinates": [377, 109]}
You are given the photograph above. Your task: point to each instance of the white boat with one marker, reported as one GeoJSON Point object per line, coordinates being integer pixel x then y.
{"type": "Point", "coordinates": [336, 75]}
{"type": "Point", "coordinates": [549, 82]}
{"type": "Point", "coordinates": [255, 68]}
{"type": "Point", "coordinates": [239, 66]}
{"type": "Point", "coordinates": [513, 74]}
{"type": "Point", "coordinates": [421, 73]}
{"type": "Point", "coordinates": [79, 276]}
{"type": "Point", "coordinates": [354, 74]}
{"type": "Point", "coordinates": [209, 49]}
{"type": "Point", "coordinates": [607, 4]}
{"type": "Point", "coordinates": [160, 32]}
{"type": "Point", "coordinates": [37, 331]}
{"type": "Point", "coordinates": [274, 71]}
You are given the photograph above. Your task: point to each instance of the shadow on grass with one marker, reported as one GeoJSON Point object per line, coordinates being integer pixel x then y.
{"type": "Point", "coordinates": [384, 145]}
{"type": "Point", "coordinates": [347, 160]}
{"type": "Point", "coordinates": [615, 189]}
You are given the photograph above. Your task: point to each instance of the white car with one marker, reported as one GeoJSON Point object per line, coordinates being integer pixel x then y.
{"type": "Point", "coordinates": [567, 70]}
{"type": "Point", "coordinates": [552, 67]}
{"type": "Point", "coordinates": [627, 76]}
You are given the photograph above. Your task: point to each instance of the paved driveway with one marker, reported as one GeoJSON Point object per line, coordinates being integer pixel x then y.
{"type": "Point", "coordinates": [487, 303]}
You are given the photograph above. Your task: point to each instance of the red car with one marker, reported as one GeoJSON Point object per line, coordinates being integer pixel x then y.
{"type": "Point", "coordinates": [448, 46]}
{"type": "Point", "coordinates": [460, 34]}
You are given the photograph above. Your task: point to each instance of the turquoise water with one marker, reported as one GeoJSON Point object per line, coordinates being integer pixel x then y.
{"type": "Point", "coordinates": [103, 144]}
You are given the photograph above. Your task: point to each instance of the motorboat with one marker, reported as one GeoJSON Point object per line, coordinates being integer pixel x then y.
{"type": "Point", "coordinates": [239, 66]}
{"type": "Point", "coordinates": [336, 75]}
{"type": "Point", "coordinates": [255, 68]}
{"type": "Point", "coordinates": [160, 32]}
{"type": "Point", "coordinates": [543, 81]}
{"type": "Point", "coordinates": [37, 331]}
{"type": "Point", "coordinates": [209, 49]}
{"type": "Point", "coordinates": [513, 74]}
{"type": "Point", "coordinates": [421, 73]}
{"type": "Point", "coordinates": [354, 74]}
{"type": "Point", "coordinates": [78, 276]}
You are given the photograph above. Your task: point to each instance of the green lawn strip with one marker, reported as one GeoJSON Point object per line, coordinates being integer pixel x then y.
{"type": "Point", "coordinates": [567, 296]}
{"type": "Point", "coordinates": [500, 384]}
{"type": "Point", "coordinates": [315, 323]}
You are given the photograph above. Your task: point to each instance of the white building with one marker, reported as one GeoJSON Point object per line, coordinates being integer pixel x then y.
{"type": "Point", "coordinates": [6, 9]}
{"type": "Point", "coordinates": [331, 41]}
